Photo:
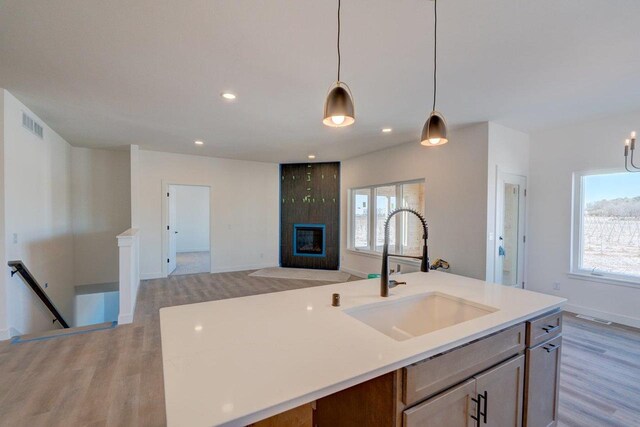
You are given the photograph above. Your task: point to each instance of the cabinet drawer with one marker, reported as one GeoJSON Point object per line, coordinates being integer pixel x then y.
{"type": "Point", "coordinates": [544, 328]}
{"type": "Point", "coordinates": [428, 377]}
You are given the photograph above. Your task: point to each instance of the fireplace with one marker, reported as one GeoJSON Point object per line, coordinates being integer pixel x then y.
{"type": "Point", "coordinates": [309, 240]}
{"type": "Point", "coordinates": [310, 215]}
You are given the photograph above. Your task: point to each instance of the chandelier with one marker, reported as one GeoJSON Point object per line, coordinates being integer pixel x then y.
{"type": "Point", "coordinates": [630, 145]}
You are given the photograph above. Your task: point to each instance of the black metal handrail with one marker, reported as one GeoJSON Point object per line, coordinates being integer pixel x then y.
{"type": "Point", "coordinates": [20, 268]}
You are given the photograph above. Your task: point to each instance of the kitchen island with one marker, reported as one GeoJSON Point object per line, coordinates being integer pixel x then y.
{"type": "Point", "coordinates": [238, 361]}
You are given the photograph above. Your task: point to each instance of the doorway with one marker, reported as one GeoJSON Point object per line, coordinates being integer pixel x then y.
{"type": "Point", "coordinates": [188, 234]}
{"type": "Point", "coordinates": [510, 230]}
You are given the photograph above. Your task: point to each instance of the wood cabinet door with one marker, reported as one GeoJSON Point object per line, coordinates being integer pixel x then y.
{"type": "Point", "coordinates": [371, 404]}
{"type": "Point", "coordinates": [500, 392]}
{"type": "Point", "coordinates": [452, 408]}
{"type": "Point", "coordinates": [542, 378]}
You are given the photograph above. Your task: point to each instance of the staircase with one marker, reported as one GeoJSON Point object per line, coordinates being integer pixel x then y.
{"type": "Point", "coordinates": [18, 267]}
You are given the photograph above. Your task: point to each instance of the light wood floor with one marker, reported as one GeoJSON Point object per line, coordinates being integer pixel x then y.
{"type": "Point", "coordinates": [192, 263]}
{"type": "Point", "coordinates": [600, 375]}
{"type": "Point", "coordinates": [114, 377]}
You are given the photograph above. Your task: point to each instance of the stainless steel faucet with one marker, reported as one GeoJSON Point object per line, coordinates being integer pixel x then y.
{"type": "Point", "coordinates": [385, 283]}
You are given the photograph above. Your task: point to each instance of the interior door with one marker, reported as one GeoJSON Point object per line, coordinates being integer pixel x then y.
{"type": "Point", "coordinates": [510, 229]}
{"type": "Point", "coordinates": [171, 230]}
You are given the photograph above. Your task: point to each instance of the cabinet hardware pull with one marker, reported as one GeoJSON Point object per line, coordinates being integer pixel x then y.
{"type": "Point", "coordinates": [550, 348]}
{"type": "Point", "coordinates": [485, 398]}
{"type": "Point", "coordinates": [481, 402]}
{"type": "Point", "coordinates": [550, 328]}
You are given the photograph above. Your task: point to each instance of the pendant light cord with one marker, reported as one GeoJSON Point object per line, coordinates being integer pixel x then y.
{"type": "Point", "coordinates": [338, 43]}
{"type": "Point", "coordinates": [435, 50]}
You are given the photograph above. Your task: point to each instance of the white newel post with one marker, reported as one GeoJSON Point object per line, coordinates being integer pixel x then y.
{"type": "Point", "coordinates": [128, 245]}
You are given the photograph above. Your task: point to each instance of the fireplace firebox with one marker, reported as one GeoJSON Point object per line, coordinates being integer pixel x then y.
{"type": "Point", "coordinates": [309, 240]}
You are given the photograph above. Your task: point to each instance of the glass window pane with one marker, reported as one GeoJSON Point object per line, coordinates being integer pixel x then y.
{"type": "Point", "coordinates": [361, 218]}
{"type": "Point", "coordinates": [385, 203]}
{"type": "Point", "coordinates": [412, 197]}
{"type": "Point", "coordinates": [611, 224]}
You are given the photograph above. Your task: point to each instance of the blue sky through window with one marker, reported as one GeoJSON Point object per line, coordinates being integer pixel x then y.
{"type": "Point", "coordinates": [611, 186]}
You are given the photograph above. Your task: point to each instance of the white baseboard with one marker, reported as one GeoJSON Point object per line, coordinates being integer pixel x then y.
{"type": "Point", "coordinates": [616, 318]}
{"type": "Point", "coordinates": [181, 251]}
{"type": "Point", "coordinates": [355, 273]}
{"type": "Point", "coordinates": [242, 268]}
{"type": "Point", "coordinates": [149, 276]}
{"type": "Point", "coordinates": [6, 334]}
{"type": "Point", "coordinates": [124, 319]}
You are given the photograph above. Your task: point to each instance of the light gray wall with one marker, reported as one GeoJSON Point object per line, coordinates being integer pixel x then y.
{"type": "Point", "coordinates": [4, 278]}
{"type": "Point", "coordinates": [101, 195]}
{"type": "Point", "coordinates": [555, 155]}
{"type": "Point", "coordinates": [455, 177]}
{"type": "Point", "coordinates": [244, 209]}
{"type": "Point", "coordinates": [508, 153]}
{"type": "Point", "coordinates": [38, 210]}
{"type": "Point", "coordinates": [65, 205]}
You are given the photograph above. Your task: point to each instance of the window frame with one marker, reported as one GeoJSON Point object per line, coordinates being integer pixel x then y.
{"type": "Point", "coordinates": [372, 207]}
{"type": "Point", "coordinates": [577, 239]}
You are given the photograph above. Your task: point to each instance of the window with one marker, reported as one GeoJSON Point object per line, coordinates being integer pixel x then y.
{"type": "Point", "coordinates": [385, 204]}
{"type": "Point", "coordinates": [360, 209]}
{"type": "Point", "coordinates": [606, 231]}
{"type": "Point", "coordinates": [369, 209]}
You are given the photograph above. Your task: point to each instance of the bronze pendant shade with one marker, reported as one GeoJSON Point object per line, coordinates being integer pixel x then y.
{"type": "Point", "coordinates": [338, 106]}
{"type": "Point", "coordinates": [434, 131]}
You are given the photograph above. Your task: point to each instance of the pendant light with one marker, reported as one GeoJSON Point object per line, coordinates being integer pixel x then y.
{"type": "Point", "coordinates": [434, 131]}
{"type": "Point", "coordinates": [338, 106]}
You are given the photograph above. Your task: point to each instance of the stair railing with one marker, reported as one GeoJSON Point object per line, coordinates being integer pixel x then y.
{"type": "Point", "coordinates": [19, 267]}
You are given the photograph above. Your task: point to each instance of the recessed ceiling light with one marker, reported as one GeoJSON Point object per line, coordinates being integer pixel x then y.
{"type": "Point", "coordinates": [311, 156]}
{"type": "Point", "coordinates": [198, 142]}
{"type": "Point", "coordinates": [228, 95]}
{"type": "Point", "coordinates": [386, 130]}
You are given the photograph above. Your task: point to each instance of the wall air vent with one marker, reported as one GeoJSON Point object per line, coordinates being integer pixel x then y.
{"type": "Point", "coordinates": [593, 319]}
{"type": "Point", "coordinates": [32, 126]}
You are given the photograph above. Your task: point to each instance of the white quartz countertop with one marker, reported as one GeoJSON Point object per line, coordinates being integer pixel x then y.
{"type": "Point", "coordinates": [237, 361]}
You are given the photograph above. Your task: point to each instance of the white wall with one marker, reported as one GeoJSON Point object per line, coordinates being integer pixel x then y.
{"type": "Point", "coordinates": [456, 197]}
{"type": "Point", "coordinates": [96, 308]}
{"type": "Point", "coordinates": [134, 176]}
{"type": "Point", "coordinates": [37, 209]}
{"type": "Point", "coordinates": [4, 297]}
{"type": "Point", "coordinates": [101, 209]}
{"type": "Point", "coordinates": [555, 155]}
{"type": "Point", "coordinates": [508, 153]}
{"type": "Point", "coordinates": [244, 209]}
{"type": "Point", "coordinates": [192, 218]}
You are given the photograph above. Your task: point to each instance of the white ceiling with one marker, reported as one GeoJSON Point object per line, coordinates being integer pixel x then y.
{"type": "Point", "coordinates": [119, 72]}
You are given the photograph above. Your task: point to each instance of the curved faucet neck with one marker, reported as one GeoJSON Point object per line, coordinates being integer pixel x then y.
{"type": "Point", "coordinates": [425, 227]}
{"type": "Point", "coordinates": [424, 266]}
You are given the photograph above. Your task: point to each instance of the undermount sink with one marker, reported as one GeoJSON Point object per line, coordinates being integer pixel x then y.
{"type": "Point", "coordinates": [418, 315]}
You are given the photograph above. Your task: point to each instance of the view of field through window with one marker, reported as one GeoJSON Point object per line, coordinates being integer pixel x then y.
{"type": "Point", "coordinates": [403, 226]}
{"type": "Point", "coordinates": [611, 224]}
